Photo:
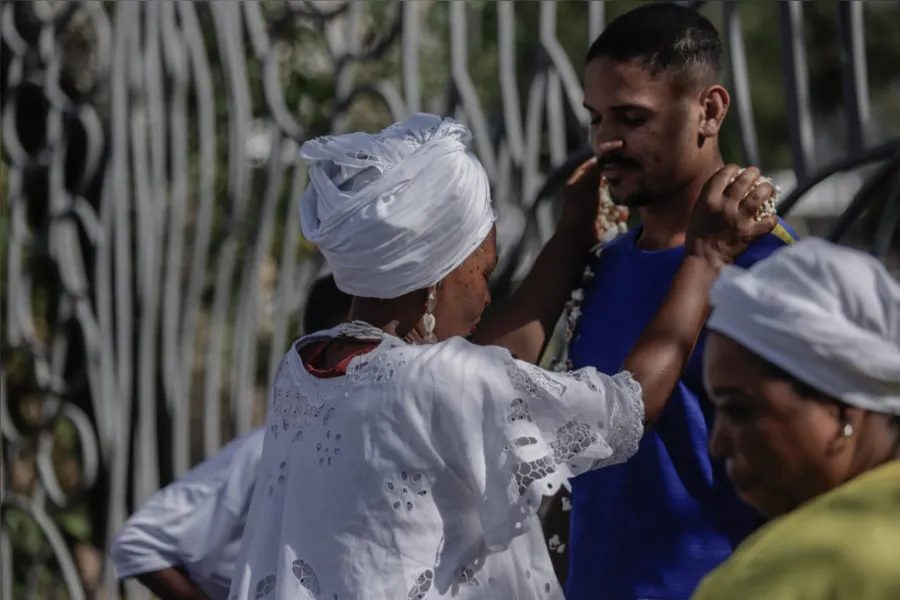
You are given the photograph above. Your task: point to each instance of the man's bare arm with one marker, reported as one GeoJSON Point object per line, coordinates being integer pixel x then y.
{"type": "Point", "coordinates": [722, 227]}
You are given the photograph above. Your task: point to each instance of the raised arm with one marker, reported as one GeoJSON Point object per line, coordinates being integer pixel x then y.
{"type": "Point", "coordinates": [525, 321]}
{"type": "Point", "coordinates": [722, 226]}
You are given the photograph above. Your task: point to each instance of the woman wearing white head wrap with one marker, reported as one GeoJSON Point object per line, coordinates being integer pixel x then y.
{"type": "Point", "coordinates": [393, 470]}
{"type": "Point", "coordinates": [804, 368]}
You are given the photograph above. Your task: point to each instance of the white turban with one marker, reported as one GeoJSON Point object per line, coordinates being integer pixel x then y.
{"type": "Point", "coordinates": [396, 211]}
{"type": "Point", "coordinates": [826, 314]}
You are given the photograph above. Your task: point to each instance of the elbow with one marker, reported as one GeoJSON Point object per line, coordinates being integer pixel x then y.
{"type": "Point", "coordinates": [123, 550]}
{"type": "Point", "coordinates": [119, 552]}
{"type": "Point", "coordinates": [132, 554]}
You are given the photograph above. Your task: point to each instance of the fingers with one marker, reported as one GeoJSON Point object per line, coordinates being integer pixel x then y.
{"type": "Point", "coordinates": [414, 338]}
{"type": "Point", "coordinates": [741, 185]}
{"type": "Point", "coordinates": [589, 167]}
{"type": "Point", "coordinates": [601, 149]}
{"type": "Point", "coordinates": [760, 228]}
{"type": "Point", "coordinates": [582, 170]}
{"type": "Point", "coordinates": [715, 187]}
{"type": "Point", "coordinates": [391, 328]}
{"type": "Point", "coordinates": [756, 198]}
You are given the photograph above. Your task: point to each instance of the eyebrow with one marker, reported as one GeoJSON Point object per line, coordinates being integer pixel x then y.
{"type": "Point", "coordinates": [619, 107]}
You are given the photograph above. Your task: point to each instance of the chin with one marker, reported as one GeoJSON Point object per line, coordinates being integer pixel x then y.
{"type": "Point", "coordinates": [633, 199]}
{"type": "Point", "coordinates": [763, 503]}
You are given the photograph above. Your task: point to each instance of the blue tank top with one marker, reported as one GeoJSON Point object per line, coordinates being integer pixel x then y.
{"type": "Point", "coordinates": [651, 528]}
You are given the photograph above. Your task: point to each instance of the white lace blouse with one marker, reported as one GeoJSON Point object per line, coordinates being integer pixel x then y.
{"type": "Point", "coordinates": [418, 475]}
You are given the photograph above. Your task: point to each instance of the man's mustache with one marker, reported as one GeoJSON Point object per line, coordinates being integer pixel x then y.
{"type": "Point", "coordinates": [615, 159]}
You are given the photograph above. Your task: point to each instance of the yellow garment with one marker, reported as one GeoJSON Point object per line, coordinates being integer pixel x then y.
{"type": "Point", "coordinates": [843, 545]}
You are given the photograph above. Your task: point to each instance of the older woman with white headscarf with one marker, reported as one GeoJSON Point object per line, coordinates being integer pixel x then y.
{"type": "Point", "coordinates": [804, 368]}
{"type": "Point", "coordinates": [395, 471]}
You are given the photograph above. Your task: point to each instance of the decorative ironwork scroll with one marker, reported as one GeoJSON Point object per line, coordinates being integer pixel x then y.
{"type": "Point", "coordinates": [153, 272]}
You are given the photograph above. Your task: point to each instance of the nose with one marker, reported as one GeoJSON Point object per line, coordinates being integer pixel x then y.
{"type": "Point", "coordinates": [487, 298]}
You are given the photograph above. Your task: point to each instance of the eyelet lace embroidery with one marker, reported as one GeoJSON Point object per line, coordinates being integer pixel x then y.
{"type": "Point", "coordinates": [381, 366]}
{"type": "Point", "coordinates": [421, 586]}
{"type": "Point", "coordinates": [405, 491]}
{"type": "Point", "coordinates": [306, 576]}
{"type": "Point", "coordinates": [572, 439]}
{"type": "Point", "coordinates": [375, 368]}
{"type": "Point", "coordinates": [265, 586]}
{"type": "Point", "coordinates": [575, 437]}
{"type": "Point", "coordinates": [466, 577]}
{"type": "Point", "coordinates": [530, 380]}
{"type": "Point", "coordinates": [626, 438]}
{"type": "Point", "coordinates": [297, 409]}
{"type": "Point", "coordinates": [528, 472]}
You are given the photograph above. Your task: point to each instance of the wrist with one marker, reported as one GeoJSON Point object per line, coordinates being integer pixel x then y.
{"type": "Point", "coordinates": [703, 266]}
{"type": "Point", "coordinates": [707, 253]}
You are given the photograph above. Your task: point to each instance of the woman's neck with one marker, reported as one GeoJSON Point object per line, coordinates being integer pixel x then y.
{"type": "Point", "coordinates": [402, 313]}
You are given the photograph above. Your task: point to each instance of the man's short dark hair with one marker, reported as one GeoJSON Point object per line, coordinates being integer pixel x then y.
{"type": "Point", "coordinates": [326, 305]}
{"type": "Point", "coordinates": [664, 37]}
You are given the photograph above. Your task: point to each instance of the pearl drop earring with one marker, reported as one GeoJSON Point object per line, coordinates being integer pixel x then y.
{"type": "Point", "coordinates": [428, 321]}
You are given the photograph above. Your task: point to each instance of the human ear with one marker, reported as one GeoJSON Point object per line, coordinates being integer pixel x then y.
{"type": "Point", "coordinates": [714, 102]}
{"type": "Point", "coordinates": [848, 421]}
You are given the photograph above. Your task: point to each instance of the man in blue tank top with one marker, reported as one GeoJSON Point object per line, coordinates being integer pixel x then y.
{"type": "Point", "coordinates": [651, 528]}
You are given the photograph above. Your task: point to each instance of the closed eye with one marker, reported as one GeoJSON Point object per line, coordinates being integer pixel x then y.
{"type": "Point", "coordinates": [632, 119]}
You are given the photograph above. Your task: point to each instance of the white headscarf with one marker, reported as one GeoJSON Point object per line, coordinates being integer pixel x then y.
{"type": "Point", "coordinates": [396, 211]}
{"type": "Point", "coordinates": [826, 314]}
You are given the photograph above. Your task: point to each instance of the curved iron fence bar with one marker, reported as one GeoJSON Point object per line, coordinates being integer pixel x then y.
{"type": "Point", "coordinates": [54, 537]}
{"type": "Point", "coordinates": [159, 76]}
{"type": "Point", "coordinates": [793, 64]}
{"type": "Point", "coordinates": [561, 65]}
{"type": "Point", "coordinates": [888, 223]}
{"type": "Point", "coordinates": [875, 154]}
{"type": "Point", "coordinates": [383, 92]}
{"type": "Point", "coordinates": [9, 32]}
{"type": "Point", "coordinates": [862, 197]}
{"type": "Point", "coordinates": [854, 74]}
{"type": "Point", "coordinates": [380, 45]}
{"type": "Point", "coordinates": [740, 82]}
{"type": "Point", "coordinates": [311, 11]}
{"type": "Point", "coordinates": [272, 89]}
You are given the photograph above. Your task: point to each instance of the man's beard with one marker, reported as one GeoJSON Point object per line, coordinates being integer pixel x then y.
{"type": "Point", "coordinates": [642, 197]}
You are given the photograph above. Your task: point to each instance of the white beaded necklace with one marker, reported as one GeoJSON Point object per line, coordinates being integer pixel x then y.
{"type": "Point", "coordinates": [360, 330]}
{"type": "Point", "coordinates": [612, 221]}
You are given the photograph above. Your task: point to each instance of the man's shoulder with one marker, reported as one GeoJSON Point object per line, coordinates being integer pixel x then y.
{"type": "Point", "coordinates": [782, 236]}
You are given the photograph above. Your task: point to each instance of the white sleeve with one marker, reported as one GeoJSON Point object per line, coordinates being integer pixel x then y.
{"type": "Point", "coordinates": [188, 522]}
{"type": "Point", "coordinates": [538, 429]}
{"type": "Point", "coordinates": [150, 539]}
{"type": "Point", "coordinates": [553, 426]}
{"type": "Point", "coordinates": [187, 530]}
